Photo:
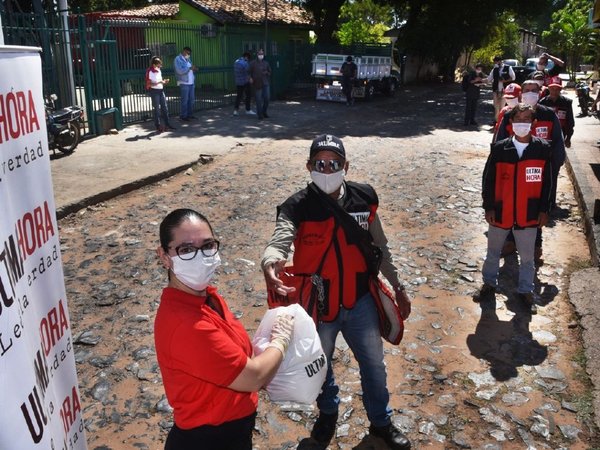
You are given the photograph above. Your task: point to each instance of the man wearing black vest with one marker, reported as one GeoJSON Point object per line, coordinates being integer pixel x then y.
{"type": "Point", "coordinates": [500, 76]}
{"type": "Point", "coordinates": [325, 247]}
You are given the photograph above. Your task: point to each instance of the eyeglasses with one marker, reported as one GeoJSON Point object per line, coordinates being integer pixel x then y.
{"type": "Point", "coordinates": [335, 165]}
{"type": "Point", "coordinates": [189, 251]}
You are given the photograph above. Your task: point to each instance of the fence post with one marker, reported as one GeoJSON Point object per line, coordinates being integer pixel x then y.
{"type": "Point", "coordinates": [87, 76]}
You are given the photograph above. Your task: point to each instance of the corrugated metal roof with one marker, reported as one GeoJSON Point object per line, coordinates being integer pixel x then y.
{"type": "Point", "coordinates": [226, 11]}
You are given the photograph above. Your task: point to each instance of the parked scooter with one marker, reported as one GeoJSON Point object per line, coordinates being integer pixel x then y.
{"type": "Point", "coordinates": [582, 90]}
{"type": "Point", "coordinates": [64, 126]}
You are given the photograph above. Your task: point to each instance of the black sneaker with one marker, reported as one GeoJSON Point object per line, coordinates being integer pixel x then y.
{"type": "Point", "coordinates": [486, 292]}
{"type": "Point", "coordinates": [393, 437]}
{"type": "Point", "coordinates": [324, 428]}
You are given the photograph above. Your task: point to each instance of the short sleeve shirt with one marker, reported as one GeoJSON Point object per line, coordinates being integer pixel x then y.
{"type": "Point", "coordinates": [200, 353]}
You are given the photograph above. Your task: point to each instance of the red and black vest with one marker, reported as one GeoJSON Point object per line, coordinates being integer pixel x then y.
{"type": "Point", "coordinates": [542, 125]}
{"type": "Point", "coordinates": [563, 109]}
{"type": "Point", "coordinates": [318, 236]}
{"type": "Point", "coordinates": [517, 189]}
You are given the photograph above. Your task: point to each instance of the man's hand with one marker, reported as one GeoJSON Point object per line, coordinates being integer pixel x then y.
{"type": "Point", "coordinates": [568, 142]}
{"type": "Point", "coordinates": [271, 273]}
{"type": "Point", "coordinates": [403, 302]}
{"type": "Point", "coordinates": [542, 219]}
{"type": "Point", "coordinates": [490, 216]}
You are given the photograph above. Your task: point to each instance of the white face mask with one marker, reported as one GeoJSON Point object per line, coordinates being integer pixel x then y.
{"type": "Point", "coordinates": [196, 273]}
{"type": "Point", "coordinates": [328, 182]}
{"type": "Point", "coordinates": [530, 98]}
{"type": "Point", "coordinates": [512, 102]}
{"type": "Point", "coordinates": [261, 57]}
{"type": "Point", "coordinates": [521, 129]}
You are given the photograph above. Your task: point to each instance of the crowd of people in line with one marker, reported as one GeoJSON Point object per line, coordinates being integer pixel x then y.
{"type": "Point", "coordinates": [533, 123]}
{"type": "Point", "coordinates": [210, 372]}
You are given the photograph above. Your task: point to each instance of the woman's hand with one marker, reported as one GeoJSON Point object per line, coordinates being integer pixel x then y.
{"type": "Point", "coordinates": [281, 333]}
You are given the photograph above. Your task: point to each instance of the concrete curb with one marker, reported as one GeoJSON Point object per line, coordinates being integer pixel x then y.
{"type": "Point", "coordinates": [584, 286]}
{"type": "Point", "coordinates": [70, 208]}
{"type": "Point", "coordinates": [587, 216]}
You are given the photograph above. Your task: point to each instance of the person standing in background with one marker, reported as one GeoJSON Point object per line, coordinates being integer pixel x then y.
{"type": "Point", "coordinates": [241, 72]}
{"type": "Point", "coordinates": [260, 78]}
{"type": "Point", "coordinates": [348, 71]}
{"type": "Point", "coordinates": [500, 75]}
{"type": "Point", "coordinates": [157, 94]}
{"type": "Point", "coordinates": [185, 80]}
{"type": "Point", "coordinates": [472, 84]}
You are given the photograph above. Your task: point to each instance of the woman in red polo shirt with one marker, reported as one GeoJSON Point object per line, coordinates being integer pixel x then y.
{"type": "Point", "coordinates": [210, 375]}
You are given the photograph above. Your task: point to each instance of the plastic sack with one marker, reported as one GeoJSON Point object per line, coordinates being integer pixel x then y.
{"type": "Point", "coordinates": [302, 372]}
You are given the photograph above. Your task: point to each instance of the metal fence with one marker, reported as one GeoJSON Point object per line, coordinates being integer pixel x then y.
{"type": "Point", "coordinates": [100, 63]}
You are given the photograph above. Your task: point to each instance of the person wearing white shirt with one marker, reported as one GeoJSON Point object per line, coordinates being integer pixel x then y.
{"type": "Point", "coordinates": [500, 75]}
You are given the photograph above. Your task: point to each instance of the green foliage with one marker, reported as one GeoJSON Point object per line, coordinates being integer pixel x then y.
{"type": "Point", "coordinates": [363, 21]}
{"type": "Point", "coordinates": [570, 35]}
{"type": "Point", "coordinates": [502, 39]}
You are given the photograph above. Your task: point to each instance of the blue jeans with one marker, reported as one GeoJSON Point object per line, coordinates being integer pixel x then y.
{"type": "Point", "coordinates": [262, 97]}
{"type": "Point", "coordinates": [525, 242]}
{"type": "Point", "coordinates": [159, 103]}
{"type": "Point", "coordinates": [187, 100]}
{"type": "Point", "coordinates": [360, 328]}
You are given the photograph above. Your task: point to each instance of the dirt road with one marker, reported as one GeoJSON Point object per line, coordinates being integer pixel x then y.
{"type": "Point", "coordinates": [464, 376]}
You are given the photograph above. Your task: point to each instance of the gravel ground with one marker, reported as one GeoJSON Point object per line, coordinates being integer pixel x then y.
{"type": "Point", "coordinates": [465, 375]}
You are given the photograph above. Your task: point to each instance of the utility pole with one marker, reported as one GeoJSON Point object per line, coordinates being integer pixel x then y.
{"type": "Point", "coordinates": [266, 26]}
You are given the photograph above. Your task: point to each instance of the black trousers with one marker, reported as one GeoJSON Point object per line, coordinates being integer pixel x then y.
{"type": "Point", "coordinates": [243, 91]}
{"type": "Point", "coordinates": [470, 110]}
{"type": "Point", "coordinates": [347, 86]}
{"type": "Point", "coordinates": [234, 435]}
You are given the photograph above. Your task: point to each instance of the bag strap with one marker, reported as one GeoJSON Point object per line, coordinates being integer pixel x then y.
{"type": "Point", "coordinates": [347, 222]}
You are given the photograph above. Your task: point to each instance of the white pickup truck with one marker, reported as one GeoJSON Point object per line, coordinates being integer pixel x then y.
{"type": "Point", "coordinates": [374, 73]}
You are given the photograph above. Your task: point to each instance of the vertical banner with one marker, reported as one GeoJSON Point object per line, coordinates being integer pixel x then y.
{"type": "Point", "coordinates": [40, 406]}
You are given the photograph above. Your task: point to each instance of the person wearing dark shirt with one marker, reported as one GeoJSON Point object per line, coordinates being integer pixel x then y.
{"type": "Point", "coordinates": [474, 80]}
{"type": "Point", "coordinates": [348, 71]}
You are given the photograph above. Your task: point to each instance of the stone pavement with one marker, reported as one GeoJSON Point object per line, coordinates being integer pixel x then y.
{"type": "Point", "coordinates": [107, 166]}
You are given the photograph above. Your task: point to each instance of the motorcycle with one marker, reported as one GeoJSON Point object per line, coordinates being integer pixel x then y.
{"type": "Point", "coordinates": [64, 126]}
{"type": "Point", "coordinates": [582, 90]}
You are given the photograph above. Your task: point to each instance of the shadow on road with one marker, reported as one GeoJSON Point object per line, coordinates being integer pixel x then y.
{"type": "Point", "coordinates": [508, 344]}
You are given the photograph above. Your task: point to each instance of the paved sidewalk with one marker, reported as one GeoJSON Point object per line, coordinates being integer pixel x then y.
{"type": "Point", "coordinates": [106, 166]}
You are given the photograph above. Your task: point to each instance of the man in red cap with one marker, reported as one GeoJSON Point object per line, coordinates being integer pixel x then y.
{"type": "Point", "coordinates": [512, 94]}
{"type": "Point", "coordinates": [563, 107]}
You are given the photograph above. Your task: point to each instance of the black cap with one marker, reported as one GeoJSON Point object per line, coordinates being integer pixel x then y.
{"type": "Point", "coordinates": [327, 142]}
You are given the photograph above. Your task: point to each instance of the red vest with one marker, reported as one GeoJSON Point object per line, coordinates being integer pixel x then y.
{"type": "Point", "coordinates": [344, 270]}
{"type": "Point", "coordinates": [517, 189]}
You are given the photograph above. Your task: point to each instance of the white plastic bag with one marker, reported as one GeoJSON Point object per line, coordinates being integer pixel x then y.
{"type": "Point", "coordinates": [302, 373]}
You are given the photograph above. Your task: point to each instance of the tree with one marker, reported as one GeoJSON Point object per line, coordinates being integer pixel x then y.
{"type": "Point", "coordinates": [440, 30]}
{"type": "Point", "coordinates": [364, 21]}
{"type": "Point", "coordinates": [502, 39]}
{"type": "Point", "coordinates": [570, 34]}
{"type": "Point", "coordinates": [326, 14]}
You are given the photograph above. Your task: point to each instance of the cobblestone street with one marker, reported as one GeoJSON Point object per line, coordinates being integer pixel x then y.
{"type": "Point", "coordinates": [466, 375]}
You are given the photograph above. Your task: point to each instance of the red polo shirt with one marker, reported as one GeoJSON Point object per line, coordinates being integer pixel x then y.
{"type": "Point", "coordinates": [200, 354]}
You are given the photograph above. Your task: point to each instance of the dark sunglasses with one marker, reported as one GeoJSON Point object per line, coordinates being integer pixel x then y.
{"type": "Point", "coordinates": [320, 165]}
